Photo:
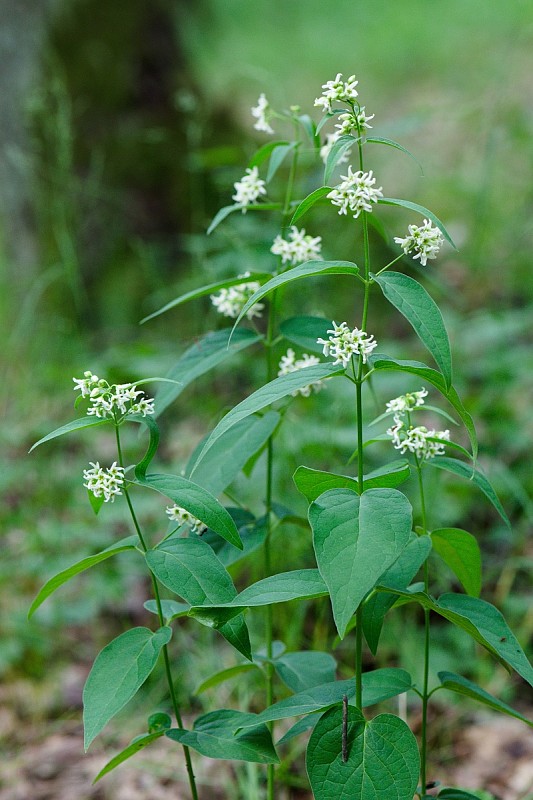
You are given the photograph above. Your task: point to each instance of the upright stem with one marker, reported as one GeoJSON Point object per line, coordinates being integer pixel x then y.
{"type": "Point", "coordinates": [166, 659]}
{"type": "Point", "coordinates": [425, 679]}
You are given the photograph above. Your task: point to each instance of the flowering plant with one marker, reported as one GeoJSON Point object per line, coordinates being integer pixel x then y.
{"type": "Point", "coordinates": [372, 549]}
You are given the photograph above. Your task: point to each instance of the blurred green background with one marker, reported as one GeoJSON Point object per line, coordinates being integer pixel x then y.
{"type": "Point", "coordinates": [123, 128]}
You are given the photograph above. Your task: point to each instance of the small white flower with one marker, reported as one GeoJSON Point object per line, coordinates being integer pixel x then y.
{"type": "Point", "coordinates": [297, 248]}
{"type": "Point", "coordinates": [104, 481]}
{"type": "Point", "coordinates": [344, 343]}
{"type": "Point", "coordinates": [356, 192]}
{"type": "Point", "coordinates": [417, 440]}
{"type": "Point", "coordinates": [425, 240]}
{"type": "Point", "coordinates": [112, 400]}
{"type": "Point", "coordinates": [354, 122]}
{"type": "Point", "coordinates": [289, 363]}
{"type": "Point", "coordinates": [342, 91]}
{"type": "Point", "coordinates": [404, 403]}
{"type": "Point", "coordinates": [325, 150]}
{"type": "Point", "coordinates": [260, 112]}
{"type": "Point", "coordinates": [249, 188]}
{"type": "Point", "coordinates": [232, 300]}
{"type": "Point", "coordinates": [181, 517]}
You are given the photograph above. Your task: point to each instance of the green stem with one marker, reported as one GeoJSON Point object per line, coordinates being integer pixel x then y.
{"type": "Point", "coordinates": [425, 681]}
{"type": "Point", "coordinates": [166, 659]}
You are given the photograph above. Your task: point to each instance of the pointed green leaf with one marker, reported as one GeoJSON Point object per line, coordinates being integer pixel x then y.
{"type": "Point", "coordinates": [392, 201]}
{"type": "Point", "coordinates": [171, 609]}
{"type": "Point", "coordinates": [356, 538]}
{"type": "Point", "coordinates": [396, 145]}
{"type": "Point", "coordinates": [304, 332]}
{"type": "Point", "coordinates": [153, 444]}
{"type": "Point", "coordinates": [475, 476]}
{"type": "Point", "coordinates": [135, 746]}
{"type": "Point", "coordinates": [224, 675]}
{"type": "Point", "coordinates": [264, 152]}
{"type": "Point", "coordinates": [228, 456]}
{"type": "Point", "coordinates": [309, 201]}
{"type": "Point", "coordinates": [227, 210]}
{"type": "Point", "coordinates": [76, 425]}
{"type": "Point", "coordinates": [460, 551]}
{"type": "Point", "coordinates": [421, 311]}
{"type": "Point", "coordinates": [313, 482]}
{"type": "Point", "coordinates": [208, 352]}
{"type": "Point", "coordinates": [302, 726]}
{"type": "Point", "coordinates": [252, 536]}
{"type": "Point", "coordinates": [119, 671]}
{"type": "Point", "coordinates": [277, 158]}
{"type": "Point", "coordinates": [301, 671]}
{"type": "Point", "coordinates": [309, 269]}
{"type": "Point", "coordinates": [399, 575]}
{"type": "Point", "coordinates": [235, 631]}
{"type": "Point", "coordinates": [378, 685]}
{"type": "Point", "coordinates": [209, 289]}
{"type": "Point", "coordinates": [342, 144]}
{"type": "Point", "coordinates": [382, 759]}
{"type": "Point", "coordinates": [460, 685]}
{"type": "Point", "coordinates": [213, 736]}
{"type": "Point", "coordinates": [129, 543]}
{"type": "Point", "coordinates": [380, 361]}
{"type": "Point", "coordinates": [268, 394]}
{"type": "Point", "coordinates": [197, 501]}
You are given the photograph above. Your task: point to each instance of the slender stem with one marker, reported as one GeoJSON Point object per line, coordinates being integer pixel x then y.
{"type": "Point", "coordinates": [166, 659]}
{"type": "Point", "coordinates": [425, 681]}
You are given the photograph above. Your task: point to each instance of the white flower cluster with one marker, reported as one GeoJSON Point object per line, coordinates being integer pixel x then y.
{"type": "Point", "coordinates": [345, 343]}
{"type": "Point", "coordinates": [112, 400]}
{"type": "Point", "coordinates": [425, 240]}
{"type": "Point", "coordinates": [354, 122]}
{"type": "Point", "coordinates": [404, 403]}
{"type": "Point", "coordinates": [249, 188]}
{"type": "Point", "coordinates": [356, 192]}
{"type": "Point", "coordinates": [289, 363]}
{"type": "Point", "coordinates": [232, 300]}
{"type": "Point", "coordinates": [408, 438]}
{"type": "Point", "coordinates": [342, 91]}
{"type": "Point", "coordinates": [183, 517]}
{"type": "Point", "coordinates": [106, 481]}
{"type": "Point", "coordinates": [299, 247]}
{"type": "Point", "coordinates": [260, 112]}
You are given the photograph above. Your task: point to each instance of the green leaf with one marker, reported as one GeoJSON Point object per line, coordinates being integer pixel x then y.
{"type": "Point", "coordinates": [224, 675]}
{"type": "Point", "coordinates": [209, 289]}
{"type": "Point", "coordinates": [208, 352]}
{"type": "Point", "coordinates": [252, 536]}
{"type": "Point", "coordinates": [137, 744]}
{"type": "Point", "coordinates": [460, 685]}
{"type": "Point", "coordinates": [475, 476]}
{"type": "Point", "coordinates": [197, 501]}
{"type": "Point", "coordinates": [228, 456]}
{"type": "Point", "coordinates": [378, 685]}
{"type": "Point", "coordinates": [277, 158]}
{"type": "Point", "coordinates": [171, 609]}
{"type": "Point", "coordinates": [302, 726]}
{"type": "Point", "coordinates": [482, 621]}
{"type": "Point", "coordinates": [313, 482]}
{"type": "Point", "coordinates": [159, 722]}
{"type": "Point", "coordinates": [356, 538]}
{"type": "Point", "coordinates": [396, 145]}
{"type": "Point", "coordinates": [380, 361]}
{"type": "Point", "coordinates": [383, 761]}
{"type": "Point", "coordinates": [392, 201]}
{"type": "Point", "coordinates": [76, 425]}
{"type": "Point", "coordinates": [458, 794]}
{"type": "Point", "coordinates": [268, 394]}
{"type": "Point", "coordinates": [96, 502]}
{"type": "Point", "coordinates": [129, 543]}
{"type": "Point", "coordinates": [421, 311]}
{"type": "Point", "coordinates": [399, 575]}
{"type": "Point", "coordinates": [304, 332]}
{"type": "Point", "coordinates": [301, 671]}
{"type": "Point", "coordinates": [460, 551]}
{"type": "Point", "coordinates": [153, 429]}
{"type": "Point", "coordinates": [119, 671]}
{"type": "Point", "coordinates": [213, 736]}
{"type": "Point", "coordinates": [190, 568]}
{"type": "Point", "coordinates": [309, 201]}
{"type": "Point", "coordinates": [309, 269]}
{"type": "Point", "coordinates": [336, 153]}
{"type": "Point", "coordinates": [264, 152]}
